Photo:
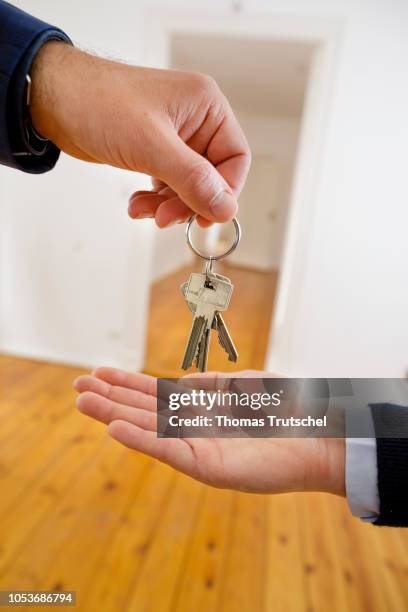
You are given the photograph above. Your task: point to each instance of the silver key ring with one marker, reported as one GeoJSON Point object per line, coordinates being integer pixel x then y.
{"type": "Point", "coordinates": [211, 258]}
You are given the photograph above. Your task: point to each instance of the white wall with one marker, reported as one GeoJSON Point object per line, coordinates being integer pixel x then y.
{"type": "Point", "coordinates": [75, 269]}
{"type": "Point", "coordinates": [265, 198]}
{"type": "Point", "coordinates": [345, 309]}
{"type": "Point", "coordinates": [170, 251]}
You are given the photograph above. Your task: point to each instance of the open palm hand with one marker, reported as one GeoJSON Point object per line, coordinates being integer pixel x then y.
{"type": "Point", "coordinates": [127, 404]}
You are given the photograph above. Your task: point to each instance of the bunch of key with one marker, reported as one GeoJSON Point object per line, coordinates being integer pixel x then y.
{"type": "Point", "coordinates": [207, 295]}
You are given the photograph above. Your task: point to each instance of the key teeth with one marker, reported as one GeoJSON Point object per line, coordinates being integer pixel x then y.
{"type": "Point", "coordinates": [226, 341]}
{"type": "Point", "coordinates": [193, 341]}
{"type": "Point", "coordinates": [200, 349]}
{"type": "Point", "coordinates": [197, 355]}
{"type": "Point", "coordinates": [231, 357]}
{"type": "Point", "coordinates": [202, 356]}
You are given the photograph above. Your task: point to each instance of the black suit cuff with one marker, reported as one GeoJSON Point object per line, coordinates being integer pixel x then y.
{"type": "Point", "coordinates": [21, 37]}
{"type": "Point", "coordinates": [390, 421]}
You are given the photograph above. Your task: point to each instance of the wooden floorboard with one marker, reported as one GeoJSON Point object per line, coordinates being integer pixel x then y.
{"type": "Point", "coordinates": [79, 512]}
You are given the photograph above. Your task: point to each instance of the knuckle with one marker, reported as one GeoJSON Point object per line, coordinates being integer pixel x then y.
{"type": "Point", "coordinates": [109, 394]}
{"type": "Point", "coordinates": [210, 82]}
{"type": "Point", "coordinates": [205, 82]}
{"type": "Point", "coordinates": [247, 153]}
{"type": "Point", "coordinates": [248, 160]}
{"type": "Point", "coordinates": [110, 411]}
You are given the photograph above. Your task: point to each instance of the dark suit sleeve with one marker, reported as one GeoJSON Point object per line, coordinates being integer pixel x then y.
{"type": "Point", "coordinates": [391, 431]}
{"type": "Point", "coordinates": [21, 36]}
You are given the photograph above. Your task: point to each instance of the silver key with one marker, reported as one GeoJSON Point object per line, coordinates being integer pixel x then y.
{"type": "Point", "coordinates": [202, 351]}
{"type": "Point", "coordinates": [191, 306]}
{"type": "Point", "coordinates": [225, 339]}
{"type": "Point", "coordinates": [208, 295]}
{"type": "Point", "coordinates": [199, 324]}
{"type": "Point", "coordinates": [218, 325]}
{"type": "Point", "coordinates": [212, 289]}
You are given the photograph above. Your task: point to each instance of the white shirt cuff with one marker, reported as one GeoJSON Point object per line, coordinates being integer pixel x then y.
{"type": "Point", "coordinates": [361, 470]}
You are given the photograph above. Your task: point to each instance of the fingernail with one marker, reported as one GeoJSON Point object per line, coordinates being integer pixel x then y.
{"type": "Point", "coordinates": [144, 215]}
{"type": "Point", "coordinates": [223, 205]}
{"type": "Point", "coordinates": [166, 191]}
{"type": "Point", "coordinates": [78, 403]}
{"type": "Point", "coordinates": [170, 223]}
{"type": "Point", "coordinates": [75, 383]}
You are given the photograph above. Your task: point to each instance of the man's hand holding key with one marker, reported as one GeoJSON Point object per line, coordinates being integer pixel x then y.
{"type": "Point", "coordinates": [175, 126]}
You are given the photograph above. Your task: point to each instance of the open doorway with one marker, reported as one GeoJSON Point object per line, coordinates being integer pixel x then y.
{"type": "Point", "coordinates": [265, 81]}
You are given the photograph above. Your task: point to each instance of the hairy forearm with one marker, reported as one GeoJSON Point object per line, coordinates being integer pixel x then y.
{"type": "Point", "coordinates": [70, 104]}
{"type": "Point", "coordinates": [48, 77]}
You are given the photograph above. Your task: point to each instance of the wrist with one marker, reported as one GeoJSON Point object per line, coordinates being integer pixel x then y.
{"type": "Point", "coordinates": [330, 470]}
{"type": "Point", "coordinates": [47, 78]}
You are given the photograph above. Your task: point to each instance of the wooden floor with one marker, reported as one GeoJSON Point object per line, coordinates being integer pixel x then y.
{"type": "Point", "coordinates": [79, 512]}
{"type": "Point", "coordinates": [248, 319]}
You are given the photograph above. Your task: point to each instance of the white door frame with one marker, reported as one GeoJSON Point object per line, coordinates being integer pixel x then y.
{"type": "Point", "coordinates": [326, 36]}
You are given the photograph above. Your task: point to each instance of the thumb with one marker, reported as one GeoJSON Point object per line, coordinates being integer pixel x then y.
{"type": "Point", "coordinates": [196, 181]}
